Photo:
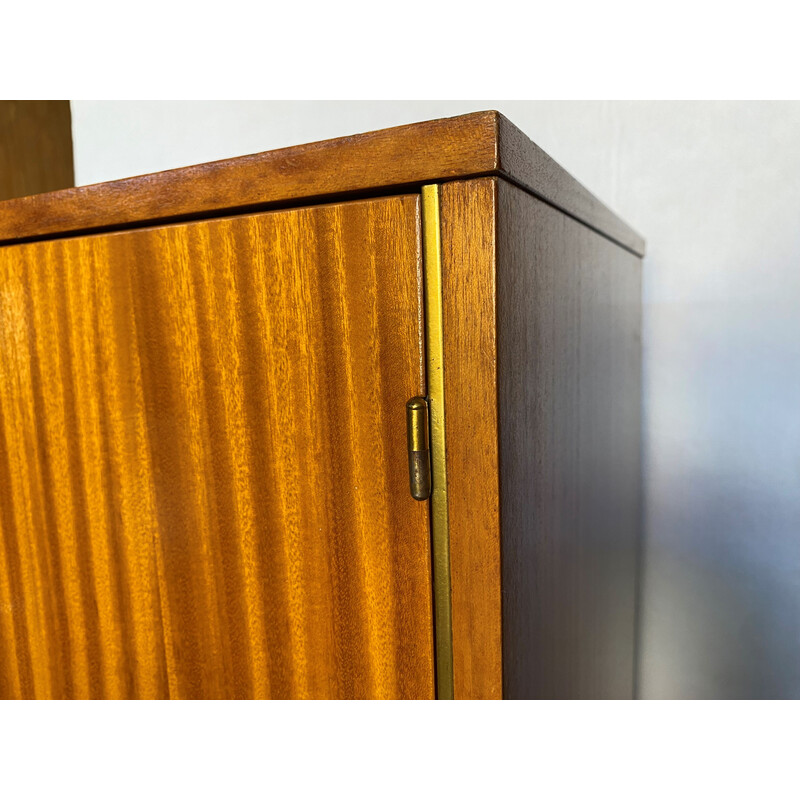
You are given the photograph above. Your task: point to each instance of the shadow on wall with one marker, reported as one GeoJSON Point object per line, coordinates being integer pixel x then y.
{"type": "Point", "coordinates": [721, 617]}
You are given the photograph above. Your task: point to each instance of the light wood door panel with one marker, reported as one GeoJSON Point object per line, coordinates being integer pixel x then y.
{"type": "Point", "coordinates": [203, 481]}
{"type": "Point", "coordinates": [80, 611]}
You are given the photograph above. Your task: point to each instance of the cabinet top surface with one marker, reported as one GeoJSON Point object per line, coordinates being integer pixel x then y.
{"type": "Point", "coordinates": [480, 144]}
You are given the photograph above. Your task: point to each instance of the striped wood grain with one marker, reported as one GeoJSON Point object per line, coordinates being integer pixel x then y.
{"type": "Point", "coordinates": [469, 247]}
{"type": "Point", "coordinates": [203, 485]}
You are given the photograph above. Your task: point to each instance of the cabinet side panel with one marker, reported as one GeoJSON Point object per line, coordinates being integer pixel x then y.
{"type": "Point", "coordinates": [569, 311]}
{"type": "Point", "coordinates": [468, 283]}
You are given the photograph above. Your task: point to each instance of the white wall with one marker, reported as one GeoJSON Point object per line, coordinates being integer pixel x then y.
{"type": "Point", "coordinates": [715, 190]}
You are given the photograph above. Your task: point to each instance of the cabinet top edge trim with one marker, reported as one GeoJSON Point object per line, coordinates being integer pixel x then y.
{"type": "Point", "coordinates": [479, 144]}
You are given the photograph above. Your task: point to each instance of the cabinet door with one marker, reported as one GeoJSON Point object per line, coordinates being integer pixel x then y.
{"type": "Point", "coordinates": [203, 468]}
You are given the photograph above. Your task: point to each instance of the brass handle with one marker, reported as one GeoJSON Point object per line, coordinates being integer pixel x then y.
{"type": "Point", "coordinates": [419, 456]}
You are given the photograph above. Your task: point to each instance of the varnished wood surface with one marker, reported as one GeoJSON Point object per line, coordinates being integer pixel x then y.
{"type": "Point", "coordinates": [483, 143]}
{"type": "Point", "coordinates": [397, 156]}
{"type": "Point", "coordinates": [35, 147]}
{"type": "Point", "coordinates": [469, 292]}
{"type": "Point", "coordinates": [569, 377]}
{"type": "Point", "coordinates": [203, 468]}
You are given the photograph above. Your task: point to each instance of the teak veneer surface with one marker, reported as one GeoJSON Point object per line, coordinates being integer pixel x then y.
{"type": "Point", "coordinates": [483, 143]}
{"type": "Point", "coordinates": [203, 480]}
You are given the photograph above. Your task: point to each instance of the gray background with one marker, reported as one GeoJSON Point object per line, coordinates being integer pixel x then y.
{"type": "Point", "coordinates": [715, 190]}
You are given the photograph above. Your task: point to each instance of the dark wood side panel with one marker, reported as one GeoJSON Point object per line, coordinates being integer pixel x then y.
{"type": "Point", "coordinates": [203, 467]}
{"type": "Point", "coordinates": [468, 211]}
{"type": "Point", "coordinates": [35, 147]}
{"type": "Point", "coordinates": [569, 377]}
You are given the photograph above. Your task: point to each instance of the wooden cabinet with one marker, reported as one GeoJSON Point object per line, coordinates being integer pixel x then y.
{"type": "Point", "coordinates": [204, 467]}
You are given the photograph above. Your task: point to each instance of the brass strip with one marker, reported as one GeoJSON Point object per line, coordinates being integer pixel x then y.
{"type": "Point", "coordinates": [440, 531]}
